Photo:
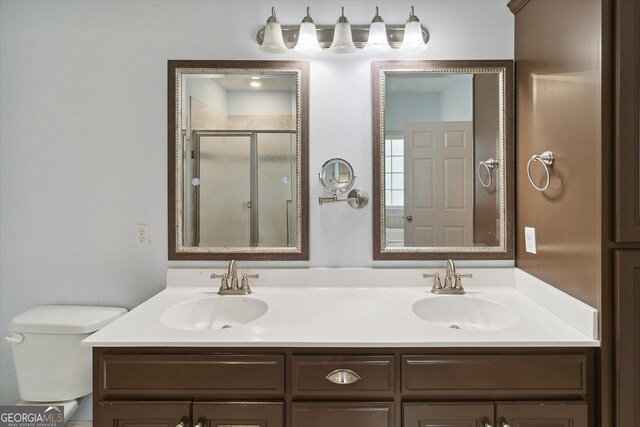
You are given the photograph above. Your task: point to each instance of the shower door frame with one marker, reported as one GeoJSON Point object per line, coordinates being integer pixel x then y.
{"type": "Point", "coordinates": [253, 180]}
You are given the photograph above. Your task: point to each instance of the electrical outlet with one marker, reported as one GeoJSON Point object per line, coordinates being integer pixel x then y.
{"type": "Point", "coordinates": [142, 234]}
{"type": "Point", "coordinates": [530, 239]}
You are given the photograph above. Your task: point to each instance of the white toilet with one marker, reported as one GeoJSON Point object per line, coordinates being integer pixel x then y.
{"type": "Point", "coordinates": [52, 367]}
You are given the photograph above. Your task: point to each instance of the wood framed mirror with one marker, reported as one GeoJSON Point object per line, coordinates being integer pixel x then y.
{"type": "Point", "coordinates": [443, 179]}
{"type": "Point", "coordinates": [238, 160]}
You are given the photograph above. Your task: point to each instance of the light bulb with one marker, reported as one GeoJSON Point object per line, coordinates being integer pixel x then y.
{"type": "Point", "coordinates": [307, 37]}
{"type": "Point", "coordinates": [273, 41]}
{"type": "Point", "coordinates": [413, 41]}
{"type": "Point", "coordinates": [342, 38]}
{"type": "Point", "coordinates": [377, 41]}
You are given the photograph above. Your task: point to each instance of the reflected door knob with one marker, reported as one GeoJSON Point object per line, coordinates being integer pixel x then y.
{"type": "Point", "coordinates": [409, 218]}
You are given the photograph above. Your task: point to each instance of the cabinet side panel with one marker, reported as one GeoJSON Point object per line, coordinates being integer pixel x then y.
{"type": "Point", "coordinates": [559, 108]}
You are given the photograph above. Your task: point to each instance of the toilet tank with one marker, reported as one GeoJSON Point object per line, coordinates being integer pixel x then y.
{"type": "Point", "coordinates": [50, 363]}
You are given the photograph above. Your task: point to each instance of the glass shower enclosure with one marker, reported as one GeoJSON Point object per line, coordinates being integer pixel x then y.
{"type": "Point", "coordinates": [241, 189]}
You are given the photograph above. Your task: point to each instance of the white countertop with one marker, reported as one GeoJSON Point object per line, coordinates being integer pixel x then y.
{"type": "Point", "coordinates": [358, 316]}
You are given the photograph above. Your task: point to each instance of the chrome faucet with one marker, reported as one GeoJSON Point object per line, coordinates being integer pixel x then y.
{"type": "Point", "coordinates": [452, 281]}
{"type": "Point", "coordinates": [229, 282]}
{"type": "Point", "coordinates": [232, 274]}
{"type": "Point", "coordinates": [449, 273]}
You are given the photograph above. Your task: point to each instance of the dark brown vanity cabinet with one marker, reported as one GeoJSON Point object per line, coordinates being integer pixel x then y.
{"type": "Point", "coordinates": [357, 387]}
{"type": "Point", "coordinates": [543, 414]}
{"type": "Point", "coordinates": [626, 298]}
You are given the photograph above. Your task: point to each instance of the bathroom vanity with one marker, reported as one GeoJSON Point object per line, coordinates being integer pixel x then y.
{"type": "Point", "coordinates": [511, 351]}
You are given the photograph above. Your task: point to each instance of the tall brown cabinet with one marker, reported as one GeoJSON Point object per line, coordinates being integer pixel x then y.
{"type": "Point", "coordinates": [627, 212]}
{"type": "Point", "coordinates": [577, 95]}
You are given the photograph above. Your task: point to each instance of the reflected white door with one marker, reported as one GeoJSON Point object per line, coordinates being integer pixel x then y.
{"type": "Point", "coordinates": [438, 167]}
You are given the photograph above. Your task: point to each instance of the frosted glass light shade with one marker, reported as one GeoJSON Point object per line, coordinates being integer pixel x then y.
{"type": "Point", "coordinates": [377, 42]}
{"type": "Point", "coordinates": [307, 39]}
{"type": "Point", "coordinates": [413, 41]}
{"type": "Point", "coordinates": [273, 41]}
{"type": "Point", "coordinates": [342, 39]}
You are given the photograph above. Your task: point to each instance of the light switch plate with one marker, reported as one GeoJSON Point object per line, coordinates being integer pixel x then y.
{"type": "Point", "coordinates": [530, 239]}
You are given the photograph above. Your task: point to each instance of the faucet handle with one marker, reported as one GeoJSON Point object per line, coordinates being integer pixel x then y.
{"type": "Point", "coordinates": [458, 279]}
{"type": "Point", "coordinates": [437, 284]}
{"type": "Point", "coordinates": [224, 283]}
{"type": "Point", "coordinates": [245, 281]}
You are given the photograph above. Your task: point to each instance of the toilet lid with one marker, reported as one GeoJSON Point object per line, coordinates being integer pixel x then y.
{"type": "Point", "coordinates": [64, 319]}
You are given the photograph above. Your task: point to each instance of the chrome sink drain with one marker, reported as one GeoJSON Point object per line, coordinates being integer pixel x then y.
{"type": "Point", "coordinates": [226, 327]}
{"type": "Point", "coordinates": [455, 327]}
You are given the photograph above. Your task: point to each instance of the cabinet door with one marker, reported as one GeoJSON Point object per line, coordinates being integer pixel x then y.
{"type": "Point", "coordinates": [142, 414]}
{"type": "Point", "coordinates": [238, 414]}
{"type": "Point", "coordinates": [627, 120]}
{"type": "Point", "coordinates": [627, 333]}
{"type": "Point", "coordinates": [342, 414]}
{"type": "Point", "coordinates": [542, 414]}
{"type": "Point", "coordinates": [447, 414]}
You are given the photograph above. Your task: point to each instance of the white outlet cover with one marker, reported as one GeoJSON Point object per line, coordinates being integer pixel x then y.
{"type": "Point", "coordinates": [530, 239]}
{"type": "Point", "coordinates": [142, 235]}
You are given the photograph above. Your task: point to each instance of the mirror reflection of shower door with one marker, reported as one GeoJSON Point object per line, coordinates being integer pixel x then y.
{"type": "Point", "coordinates": [223, 198]}
{"type": "Point", "coordinates": [246, 193]}
{"type": "Point", "coordinates": [275, 189]}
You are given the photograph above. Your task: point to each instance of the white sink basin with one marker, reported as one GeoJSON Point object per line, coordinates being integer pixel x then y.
{"type": "Point", "coordinates": [213, 313]}
{"type": "Point", "coordinates": [465, 312]}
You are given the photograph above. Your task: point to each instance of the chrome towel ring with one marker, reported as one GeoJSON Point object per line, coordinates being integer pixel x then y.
{"type": "Point", "coordinates": [488, 165]}
{"type": "Point", "coordinates": [546, 159]}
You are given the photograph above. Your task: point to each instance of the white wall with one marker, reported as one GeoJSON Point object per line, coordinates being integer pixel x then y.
{"type": "Point", "coordinates": [404, 107]}
{"type": "Point", "coordinates": [207, 91]}
{"type": "Point", "coordinates": [456, 100]}
{"type": "Point", "coordinates": [83, 136]}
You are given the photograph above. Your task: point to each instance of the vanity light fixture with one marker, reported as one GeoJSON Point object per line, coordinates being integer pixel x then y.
{"type": "Point", "coordinates": [255, 83]}
{"type": "Point", "coordinates": [273, 41]}
{"type": "Point", "coordinates": [342, 37]}
{"type": "Point", "coordinates": [413, 41]}
{"type": "Point", "coordinates": [309, 38]}
{"type": "Point", "coordinates": [377, 42]}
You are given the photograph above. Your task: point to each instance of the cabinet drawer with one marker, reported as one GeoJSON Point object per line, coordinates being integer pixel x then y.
{"type": "Point", "coordinates": [203, 375]}
{"type": "Point", "coordinates": [494, 376]}
{"type": "Point", "coordinates": [375, 375]}
{"type": "Point", "coordinates": [341, 414]}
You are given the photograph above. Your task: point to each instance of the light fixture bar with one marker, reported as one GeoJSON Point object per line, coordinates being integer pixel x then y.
{"type": "Point", "coordinates": [395, 35]}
